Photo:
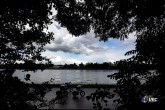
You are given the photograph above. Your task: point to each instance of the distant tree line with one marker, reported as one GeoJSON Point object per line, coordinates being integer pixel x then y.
{"type": "Point", "coordinates": [104, 65]}
{"type": "Point", "coordinates": [89, 65]}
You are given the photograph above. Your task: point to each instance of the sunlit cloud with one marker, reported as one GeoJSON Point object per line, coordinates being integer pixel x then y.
{"type": "Point", "coordinates": [65, 42]}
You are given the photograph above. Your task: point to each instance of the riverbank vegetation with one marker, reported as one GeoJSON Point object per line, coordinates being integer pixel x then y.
{"type": "Point", "coordinates": [97, 66]}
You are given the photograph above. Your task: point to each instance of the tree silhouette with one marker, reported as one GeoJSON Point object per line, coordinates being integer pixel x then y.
{"type": "Point", "coordinates": [22, 37]}
{"type": "Point", "coordinates": [22, 30]}
{"type": "Point", "coordinates": [117, 19]}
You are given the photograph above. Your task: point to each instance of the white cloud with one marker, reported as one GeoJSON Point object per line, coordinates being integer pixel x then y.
{"type": "Point", "coordinates": [107, 56]}
{"type": "Point", "coordinates": [61, 60]}
{"type": "Point", "coordinates": [131, 39]}
{"type": "Point", "coordinates": [85, 44]}
{"type": "Point", "coordinates": [58, 58]}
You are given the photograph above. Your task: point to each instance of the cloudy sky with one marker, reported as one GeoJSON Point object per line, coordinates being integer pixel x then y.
{"type": "Point", "coordinates": [66, 48]}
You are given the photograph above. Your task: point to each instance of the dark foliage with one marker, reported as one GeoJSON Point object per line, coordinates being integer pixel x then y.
{"type": "Point", "coordinates": [105, 65]}
{"type": "Point", "coordinates": [22, 37]}
{"type": "Point", "coordinates": [100, 96]}
{"type": "Point", "coordinates": [117, 19]}
{"type": "Point", "coordinates": [108, 19]}
{"type": "Point", "coordinates": [21, 32]}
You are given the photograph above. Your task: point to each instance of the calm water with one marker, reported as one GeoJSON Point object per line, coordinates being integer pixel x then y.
{"type": "Point", "coordinates": [62, 76]}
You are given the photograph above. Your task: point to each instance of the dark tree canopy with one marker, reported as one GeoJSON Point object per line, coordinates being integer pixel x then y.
{"type": "Point", "coordinates": [117, 19]}
{"type": "Point", "coordinates": [23, 35]}
{"type": "Point", "coordinates": [109, 18]}
{"type": "Point", "coordinates": [22, 29]}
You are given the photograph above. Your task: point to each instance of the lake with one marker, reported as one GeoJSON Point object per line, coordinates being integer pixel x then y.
{"type": "Point", "coordinates": [62, 76]}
